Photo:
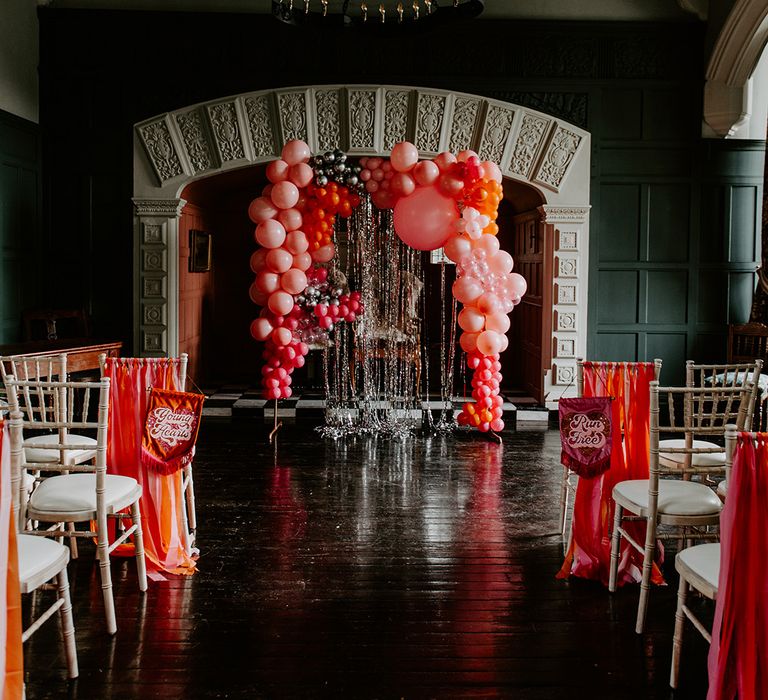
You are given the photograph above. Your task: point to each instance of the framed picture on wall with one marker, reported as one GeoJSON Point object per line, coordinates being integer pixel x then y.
{"type": "Point", "coordinates": [199, 251]}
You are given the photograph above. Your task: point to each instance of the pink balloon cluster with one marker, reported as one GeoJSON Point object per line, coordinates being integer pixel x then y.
{"type": "Point", "coordinates": [487, 411]}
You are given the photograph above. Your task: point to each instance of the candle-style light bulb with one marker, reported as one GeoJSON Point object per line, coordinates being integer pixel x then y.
{"type": "Point", "coordinates": [325, 7]}
{"type": "Point", "coordinates": [428, 3]}
{"type": "Point", "coordinates": [399, 13]}
{"type": "Point", "coordinates": [364, 10]}
{"type": "Point", "coordinates": [383, 13]}
{"type": "Point", "coordinates": [415, 9]}
{"type": "Point", "coordinates": [306, 7]}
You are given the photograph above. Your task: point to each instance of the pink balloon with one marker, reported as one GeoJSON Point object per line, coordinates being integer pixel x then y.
{"type": "Point", "coordinates": [295, 151]}
{"type": "Point", "coordinates": [281, 336]}
{"type": "Point", "coordinates": [365, 174]}
{"type": "Point", "coordinates": [267, 191]}
{"type": "Point", "coordinates": [457, 247]}
{"type": "Point", "coordinates": [280, 303]}
{"type": "Point", "coordinates": [261, 209]}
{"type": "Point", "coordinates": [426, 172]}
{"type": "Point", "coordinates": [467, 290]}
{"type": "Point", "coordinates": [324, 253]}
{"type": "Point", "coordinates": [268, 282]}
{"type": "Point", "coordinates": [270, 234]}
{"type": "Point", "coordinates": [504, 343]}
{"type": "Point", "coordinates": [277, 171]}
{"type": "Point", "coordinates": [497, 321]}
{"type": "Point", "coordinates": [489, 342]}
{"type": "Point", "coordinates": [468, 341]}
{"type": "Point", "coordinates": [257, 296]}
{"type": "Point", "coordinates": [386, 166]}
{"type": "Point", "coordinates": [471, 320]}
{"type": "Point", "coordinates": [258, 259]}
{"type": "Point", "coordinates": [296, 242]}
{"type": "Point", "coordinates": [300, 174]}
{"type": "Point", "coordinates": [444, 160]}
{"type": "Point", "coordinates": [290, 219]}
{"type": "Point", "coordinates": [424, 220]}
{"type": "Point", "coordinates": [497, 425]}
{"type": "Point", "coordinates": [450, 185]}
{"type": "Point", "coordinates": [261, 328]}
{"type": "Point", "coordinates": [383, 199]}
{"type": "Point", "coordinates": [489, 303]}
{"type": "Point", "coordinates": [518, 284]}
{"type": "Point", "coordinates": [285, 195]}
{"type": "Point", "coordinates": [402, 184]}
{"type": "Point", "coordinates": [501, 262]}
{"type": "Point", "coordinates": [404, 156]}
{"type": "Point", "coordinates": [294, 282]}
{"type": "Point", "coordinates": [302, 261]}
{"type": "Point", "coordinates": [487, 242]}
{"type": "Point", "coordinates": [492, 171]}
{"type": "Point", "coordinates": [371, 186]}
{"type": "Point", "coordinates": [377, 175]}
{"type": "Point", "coordinates": [279, 260]}
{"type": "Point", "coordinates": [374, 163]}
{"type": "Point", "coordinates": [464, 156]}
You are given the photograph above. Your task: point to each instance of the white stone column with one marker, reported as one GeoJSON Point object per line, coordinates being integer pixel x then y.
{"type": "Point", "coordinates": [570, 270]}
{"type": "Point", "coordinates": [156, 277]}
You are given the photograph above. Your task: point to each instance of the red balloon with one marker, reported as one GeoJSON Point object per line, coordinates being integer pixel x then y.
{"type": "Point", "coordinates": [402, 184]}
{"type": "Point", "coordinates": [426, 172]}
{"type": "Point", "coordinates": [424, 220]}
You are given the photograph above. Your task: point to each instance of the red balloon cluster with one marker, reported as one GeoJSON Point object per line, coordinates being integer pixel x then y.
{"type": "Point", "coordinates": [321, 206]}
{"type": "Point", "coordinates": [486, 413]}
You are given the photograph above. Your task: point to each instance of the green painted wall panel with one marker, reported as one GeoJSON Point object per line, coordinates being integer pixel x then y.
{"type": "Point", "coordinates": [619, 218]}
{"type": "Point", "coordinates": [622, 287]}
{"type": "Point", "coordinates": [712, 246]}
{"type": "Point", "coordinates": [712, 302]}
{"type": "Point", "coordinates": [615, 347]}
{"type": "Point", "coordinates": [667, 296]}
{"type": "Point", "coordinates": [668, 223]}
{"type": "Point", "coordinates": [646, 161]}
{"type": "Point", "coordinates": [743, 224]}
{"type": "Point", "coordinates": [622, 111]}
{"type": "Point", "coordinates": [740, 288]}
{"type": "Point", "coordinates": [673, 351]}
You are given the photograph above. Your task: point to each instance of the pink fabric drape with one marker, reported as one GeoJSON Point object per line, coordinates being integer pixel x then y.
{"type": "Point", "coordinates": [738, 656]}
{"type": "Point", "coordinates": [589, 554]}
{"type": "Point", "coordinates": [161, 500]}
{"type": "Point", "coordinates": [11, 654]}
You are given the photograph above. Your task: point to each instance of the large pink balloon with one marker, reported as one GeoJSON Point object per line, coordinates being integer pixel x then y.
{"type": "Point", "coordinates": [294, 282]}
{"type": "Point", "coordinates": [444, 160]}
{"type": "Point", "coordinates": [258, 259]}
{"type": "Point", "coordinates": [277, 171]}
{"type": "Point", "coordinates": [256, 295]}
{"type": "Point", "coordinates": [518, 284]}
{"type": "Point", "coordinates": [300, 174]}
{"type": "Point", "coordinates": [501, 262]}
{"type": "Point", "coordinates": [489, 303]}
{"type": "Point", "coordinates": [404, 156]}
{"type": "Point", "coordinates": [295, 151]}
{"type": "Point", "coordinates": [302, 261]}
{"type": "Point", "coordinates": [290, 219]}
{"type": "Point", "coordinates": [467, 290]}
{"type": "Point", "coordinates": [487, 242]}
{"type": "Point", "coordinates": [426, 172]}
{"type": "Point", "coordinates": [424, 220]}
{"type": "Point", "coordinates": [492, 171]}
{"type": "Point", "coordinates": [471, 320]}
{"type": "Point", "coordinates": [281, 336]}
{"type": "Point", "coordinates": [464, 156]}
{"type": "Point", "coordinates": [457, 247]}
{"type": "Point", "coordinates": [261, 209]}
{"type": "Point", "coordinates": [498, 322]}
{"type": "Point", "coordinates": [270, 234]}
{"type": "Point", "coordinates": [285, 195]}
{"type": "Point", "coordinates": [296, 242]}
{"type": "Point", "coordinates": [280, 303]}
{"type": "Point", "coordinates": [450, 185]}
{"type": "Point", "coordinates": [279, 260]}
{"type": "Point", "coordinates": [324, 253]}
{"type": "Point", "coordinates": [402, 184]}
{"type": "Point", "coordinates": [268, 282]}
{"type": "Point", "coordinates": [489, 342]}
{"type": "Point", "coordinates": [468, 341]}
{"type": "Point", "coordinates": [261, 328]}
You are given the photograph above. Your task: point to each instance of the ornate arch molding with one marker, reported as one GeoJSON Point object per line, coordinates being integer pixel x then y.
{"type": "Point", "coordinates": [735, 55]}
{"type": "Point", "coordinates": [171, 150]}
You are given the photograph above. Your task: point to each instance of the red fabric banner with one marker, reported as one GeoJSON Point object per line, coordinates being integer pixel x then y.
{"type": "Point", "coordinates": [585, 434]}
{"type": "Point", "coordinates": [738, 656]}
{"type": "Point", "coordinates": [170, 431]}
{"type": "Point", "coordinates": [589, 554]}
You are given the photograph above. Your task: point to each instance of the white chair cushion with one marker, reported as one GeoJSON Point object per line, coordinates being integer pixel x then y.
{"type": "Point", "coordinates": [675, 497]}
{"type": "Point", "coordinates": [36, 554]}
{"type": "Point", "coordinates": [72, 493]}
{"type": "Point", "coordinates": [722, 489]}
{"type": "Point", "coordinates": [706, 459]}
{"type": "Point", "coordinates": [36, 454]}
{"type": "Point", "coordinates": [703, 560]}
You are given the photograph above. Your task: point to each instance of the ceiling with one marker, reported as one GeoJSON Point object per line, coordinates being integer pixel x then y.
{"type": "Point", "coordinates": [628, 10]}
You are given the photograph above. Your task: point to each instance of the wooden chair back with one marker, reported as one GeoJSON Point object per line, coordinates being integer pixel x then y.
{"type": "Point", "coordinates": [732, 374]}
{"type": "Point", "coordinates": [746, 342]}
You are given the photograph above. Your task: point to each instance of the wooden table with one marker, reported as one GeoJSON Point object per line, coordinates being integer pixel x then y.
{"type": "Point", "coordinates": [82, 353]}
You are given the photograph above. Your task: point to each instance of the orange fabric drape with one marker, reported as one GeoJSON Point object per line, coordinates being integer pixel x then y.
{"type": "Point", "coordinates": [12, 658]}
{"type": "Point", "coordinates": [161, 500]}
{"type": "Point", "coordinates": [738, 656]}
{"type": "Point", "coordinates": [590, 551]}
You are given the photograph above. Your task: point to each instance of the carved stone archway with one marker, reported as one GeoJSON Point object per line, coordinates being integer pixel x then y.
{"type": "Point", "coordinates": [173, 149]}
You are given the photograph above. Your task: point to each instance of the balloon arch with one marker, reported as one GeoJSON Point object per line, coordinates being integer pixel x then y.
{"type": "Point", "coordinates": [450, 202]}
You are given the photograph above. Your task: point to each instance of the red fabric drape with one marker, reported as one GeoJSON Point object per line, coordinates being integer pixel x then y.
{"type": "Point", "coordinates": [589, 554]}
{"type": "Point", "coordinates": [738, 657]}
{"type": "Point", "coordinates": [12, 659]}
{"type": "Point", "coordinates": [161, 500]}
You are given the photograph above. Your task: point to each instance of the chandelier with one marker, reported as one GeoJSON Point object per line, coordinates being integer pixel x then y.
{"type": "Point", "coordinates": [361, 14]}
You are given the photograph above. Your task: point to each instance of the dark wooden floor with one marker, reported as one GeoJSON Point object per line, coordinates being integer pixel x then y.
{"type": "Point", "coordinates": [368, 569]}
